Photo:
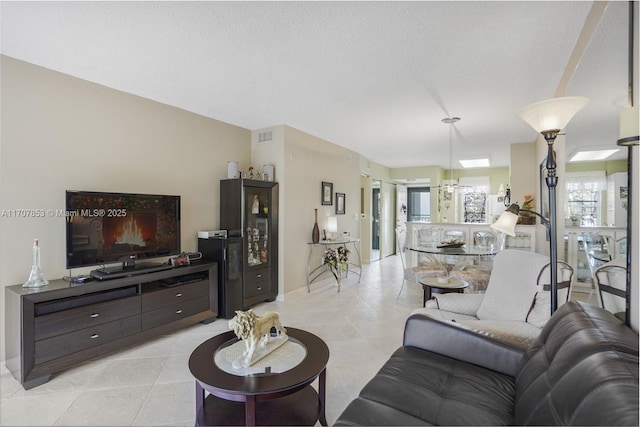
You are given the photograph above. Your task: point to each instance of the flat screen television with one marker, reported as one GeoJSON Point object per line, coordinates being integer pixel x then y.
{"type": "Point", "coordinates": [104, 228]}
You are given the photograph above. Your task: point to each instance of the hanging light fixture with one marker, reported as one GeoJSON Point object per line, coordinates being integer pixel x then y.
{"type": "Point", "coordinates": [450, 186]}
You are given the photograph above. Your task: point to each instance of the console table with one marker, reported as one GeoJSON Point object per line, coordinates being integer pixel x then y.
{"type": "Point", "coordinates": [52, 328]}
{"type": "Point", "coordinates": [314, 272]}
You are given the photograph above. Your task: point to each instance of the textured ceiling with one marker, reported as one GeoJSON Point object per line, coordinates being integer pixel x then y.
{"type": "Point", "coordinates": [375, 77]}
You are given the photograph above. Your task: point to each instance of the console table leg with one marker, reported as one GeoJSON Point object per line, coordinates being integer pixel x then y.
{"type": "Point", "coordinates": [250, 411]}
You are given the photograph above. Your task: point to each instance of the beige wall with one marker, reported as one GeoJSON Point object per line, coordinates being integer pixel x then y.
{"type": "Point", "coordinates": [59, 132]}
{"type": "Point", "coordinates": [308, 161]}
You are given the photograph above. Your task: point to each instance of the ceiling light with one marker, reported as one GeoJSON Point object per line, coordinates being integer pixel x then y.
{"type": "Point", "coordinates": [475, 163]}
{"type": "Point", "coordinates": [593, 155]}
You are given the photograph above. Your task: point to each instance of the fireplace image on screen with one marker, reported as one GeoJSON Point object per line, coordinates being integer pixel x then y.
{"type": "Point", "coordinates": [116, 227]}
{"type": "Point", "coordinates": [133, 234]}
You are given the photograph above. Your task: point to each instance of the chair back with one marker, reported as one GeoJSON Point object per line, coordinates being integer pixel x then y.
{"type": "Point", "coordinates": [598, 249]}
{"type": "Point", "coordinates": [513, 285]}
{"type": "Point", "coordinates": [611, 280]}
{"type": "Point", "coordinates": [621, 248]}
{"type": "Point", "coordinates": [401, 240]}
{"type": "Point", "coordinates": [427, 236]}
{"type": "Point", "coordinates": [541, 309]}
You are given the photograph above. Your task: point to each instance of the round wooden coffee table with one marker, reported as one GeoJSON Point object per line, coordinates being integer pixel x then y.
{"type": "Point", "coordinates": [285, 398]}
{"type": "Point", "coordinates": [432, 285]}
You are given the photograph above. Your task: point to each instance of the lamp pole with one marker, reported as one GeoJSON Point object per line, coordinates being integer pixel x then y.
{"type": "Point", "coordinates": [552, 182]}
{"type": "Point", "coordinates": [549, 117]}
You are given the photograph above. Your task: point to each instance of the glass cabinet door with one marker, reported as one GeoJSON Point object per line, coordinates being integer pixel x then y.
{"type": "Point", "coordinates": [257, 224]}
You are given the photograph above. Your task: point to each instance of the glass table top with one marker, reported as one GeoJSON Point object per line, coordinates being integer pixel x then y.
{"type": "Point", "coordinates": [287, 356]}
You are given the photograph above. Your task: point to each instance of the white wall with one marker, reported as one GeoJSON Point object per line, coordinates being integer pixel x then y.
{"type": "Point", "coordinates": [60, 133]}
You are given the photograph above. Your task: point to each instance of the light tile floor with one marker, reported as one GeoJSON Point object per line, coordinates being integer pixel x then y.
{"type": "Point", "coordinates": [150, 384]}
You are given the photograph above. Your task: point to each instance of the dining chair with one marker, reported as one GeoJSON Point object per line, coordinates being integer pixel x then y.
{"type": "Point", "coordinates": [598, 250]}
{"type": "Point", "coordinates": [414, 273]}
{"type": "Point", "coordinates": [611, 280]}
{"type": "Point", "coordinates": [621, 248]}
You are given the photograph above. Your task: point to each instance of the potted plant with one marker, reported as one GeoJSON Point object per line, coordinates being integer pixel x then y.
{"type": "Point", "coordinates": [526, 218]}
{"type": "Point", "coordinates": [336, 260]}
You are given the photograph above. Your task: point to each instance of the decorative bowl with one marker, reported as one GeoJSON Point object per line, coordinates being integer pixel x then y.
{"type": "Point", "coordinates": [451, 244]}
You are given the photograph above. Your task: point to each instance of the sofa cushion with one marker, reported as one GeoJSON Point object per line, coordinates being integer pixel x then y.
{"type": "Point", "coordinates": [512, 285]}
{"type": "Point", "coordinates": [581, 370]}
{"type": "Point", "coordinates": [417, 387]}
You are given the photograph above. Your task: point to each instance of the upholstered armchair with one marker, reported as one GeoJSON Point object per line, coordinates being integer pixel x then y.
{"type": "Point", "coordinates": [517, 302]}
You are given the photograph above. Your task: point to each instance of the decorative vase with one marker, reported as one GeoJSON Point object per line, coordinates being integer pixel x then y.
{"type": "Point", "coordinates": [315, 235]}
{"type": "Point", "coordinates": [36, 278]}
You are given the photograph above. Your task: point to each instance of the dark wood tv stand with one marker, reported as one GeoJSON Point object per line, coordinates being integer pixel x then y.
{"type": "Point", "coordinates": [55, 327]}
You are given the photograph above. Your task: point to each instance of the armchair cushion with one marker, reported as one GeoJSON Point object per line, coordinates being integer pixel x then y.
{"type": "Point", "coordinates": [451, 302]}
{"type": "Point", "coordinates": [512, 285]}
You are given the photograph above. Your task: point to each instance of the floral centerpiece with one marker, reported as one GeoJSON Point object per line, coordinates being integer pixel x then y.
{"type": "Point", "coordinates": [337, 260]}
{"type": "Point", "coordinates": [527, 217]}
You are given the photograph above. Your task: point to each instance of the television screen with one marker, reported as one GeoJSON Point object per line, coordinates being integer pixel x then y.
{"type": "Point", "coordinates": [114, 227]}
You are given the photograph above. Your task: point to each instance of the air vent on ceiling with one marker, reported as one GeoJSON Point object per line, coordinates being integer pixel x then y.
{"type": "Point", "coordinates": [265, 136]}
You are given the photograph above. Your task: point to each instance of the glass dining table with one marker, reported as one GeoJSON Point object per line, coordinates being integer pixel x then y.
{"type": "Point", "coordinates": [460, 255]}
{"type": "Point", "coordinates": [451, 259]}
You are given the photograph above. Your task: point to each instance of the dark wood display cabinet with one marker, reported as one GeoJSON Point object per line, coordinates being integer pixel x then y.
{"type": "Point", "coordinates": [249, 212]}
{"type": "Point", "coordinates": [55, 327]}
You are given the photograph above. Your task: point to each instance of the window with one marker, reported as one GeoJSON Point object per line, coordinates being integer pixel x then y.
{"type": "Point", "coordinates": [475, 190]}
{"type": "Point", "coordinates": [419, 204]}
{"type": "Point", "coordinates": [583, 204]}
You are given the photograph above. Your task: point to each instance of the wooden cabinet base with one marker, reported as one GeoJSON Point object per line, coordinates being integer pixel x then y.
{"type": "Point", "coordinates": [63, 324]}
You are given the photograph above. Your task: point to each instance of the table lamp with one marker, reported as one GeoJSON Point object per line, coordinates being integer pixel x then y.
{"type": "Point", "coordinates": [332, 226]}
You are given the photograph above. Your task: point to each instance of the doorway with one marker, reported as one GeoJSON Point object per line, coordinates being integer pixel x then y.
{"type": "Point", "coordinates": [375, 220]}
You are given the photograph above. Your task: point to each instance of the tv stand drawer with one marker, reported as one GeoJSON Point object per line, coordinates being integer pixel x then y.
{"type": "Point", "coordinates": [169, 296]}
{"type": "Point", "coordinates": [174, 312]}
{"type": "Point", "coordinates": [62, 345]}
{"type": "Point", "coordinates": [66, 321]}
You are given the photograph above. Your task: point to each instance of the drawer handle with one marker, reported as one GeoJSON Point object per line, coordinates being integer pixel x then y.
{"type": "Point", "coordinates": [259, 288]}
{"type": "Point", "coordinates": [178, 311]}
{"type": "Point", "coordinates": [94, 336]}
{"type": "Point", "coordinates": [94, 315]}
{"type": "Point", "coordinates": [259, 276]}
{"type": "Point", "coordinates": [178, 295]}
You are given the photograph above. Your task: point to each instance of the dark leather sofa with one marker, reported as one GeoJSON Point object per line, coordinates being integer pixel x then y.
{"type": "Point", "coordinates": [581, 370]}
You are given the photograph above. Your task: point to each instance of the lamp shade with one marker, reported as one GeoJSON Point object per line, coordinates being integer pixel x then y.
{"type": "Point", "coordinates": [332, 224]}
{"type": "Point", "coordinates": [507, 221]}
{"type": "Point", "coordinates": [629, 126]}
{"type": "Point", "coordinates": [552, 114]}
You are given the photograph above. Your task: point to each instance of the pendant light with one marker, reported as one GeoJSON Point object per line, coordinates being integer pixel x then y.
{"type": "Point", "coordinates": [450, 121]}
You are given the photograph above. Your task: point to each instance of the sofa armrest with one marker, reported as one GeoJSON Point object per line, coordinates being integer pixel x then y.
{"type": "Point", "coordinates": [467, 304]}
{"type": "Point", "coordinates": [463, 343]}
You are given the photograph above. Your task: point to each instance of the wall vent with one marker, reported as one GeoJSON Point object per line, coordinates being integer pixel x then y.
{"type": "Point", "coordinates": [265, 136]}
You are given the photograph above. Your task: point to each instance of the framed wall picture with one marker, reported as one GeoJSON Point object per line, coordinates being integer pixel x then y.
{"type": "Point", "coordinates": [327, 193]}
{"type": "Point", "coordinates": [340, 203]}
